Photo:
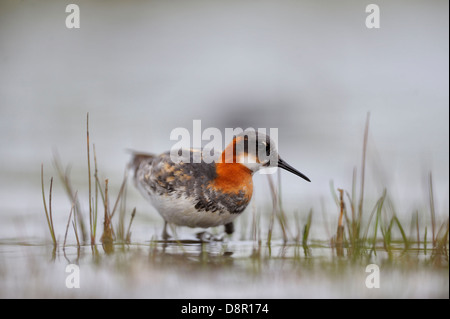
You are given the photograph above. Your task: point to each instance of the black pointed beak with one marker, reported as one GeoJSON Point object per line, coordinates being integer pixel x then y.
{"type": "Point", "coordinates": [289, 168]}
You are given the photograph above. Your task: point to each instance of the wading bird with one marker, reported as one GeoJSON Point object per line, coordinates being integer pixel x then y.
{"type": "Point", "coordinates": [206, 194]}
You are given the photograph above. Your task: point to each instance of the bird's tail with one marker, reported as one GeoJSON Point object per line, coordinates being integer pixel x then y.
{"type": "Point", "coordinates": [136, 160]}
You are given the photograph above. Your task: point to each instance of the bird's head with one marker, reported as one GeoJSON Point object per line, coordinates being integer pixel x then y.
{"type": "Point", "coordinates": [256, 151]}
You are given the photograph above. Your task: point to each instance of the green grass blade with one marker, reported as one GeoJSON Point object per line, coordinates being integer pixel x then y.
{"type": "Point", "coordinates": [47, 214]}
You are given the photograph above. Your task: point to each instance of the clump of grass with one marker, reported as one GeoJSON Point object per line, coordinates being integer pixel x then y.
{"type": "Point", "coordinates": [76, 215]}
{"type": "Point", "coordinates": [64, 176]}
{"type": "Point", "coordinates": [383, 220]}
{"type": "Point", "coordinates": [357, 241]}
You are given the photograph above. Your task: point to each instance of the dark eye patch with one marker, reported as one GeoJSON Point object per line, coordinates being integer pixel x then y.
{"type": "Point", "coordinates": [267, 147]}
{"type": "Point", "coordinates": [258, 145]}
{"type": "Point", "coordinates": [246, 144]}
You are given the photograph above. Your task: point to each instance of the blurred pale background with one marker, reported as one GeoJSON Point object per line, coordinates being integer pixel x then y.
{"type": "Point", "coordinates": [311, 69]}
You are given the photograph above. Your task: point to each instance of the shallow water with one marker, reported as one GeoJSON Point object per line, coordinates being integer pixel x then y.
{"type": "Point", "coordinates": [211, 270]}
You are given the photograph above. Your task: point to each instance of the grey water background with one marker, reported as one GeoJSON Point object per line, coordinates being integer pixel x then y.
{"type": "Point", "coordinates": [142, 68]}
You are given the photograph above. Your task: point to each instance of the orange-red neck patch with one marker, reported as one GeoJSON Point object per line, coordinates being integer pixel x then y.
{"type": "Point", "coordinates": [233, 178]}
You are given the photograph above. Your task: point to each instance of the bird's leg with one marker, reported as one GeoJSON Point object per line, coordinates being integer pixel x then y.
{"type": "Point", "coordinates": [204, 236]}
{"type": "Point", "coordinates": [207, 236]}
{"type": "Point", "coordinates": [165, 234]}
{"type": "Point", "coordinates": [229, 228]}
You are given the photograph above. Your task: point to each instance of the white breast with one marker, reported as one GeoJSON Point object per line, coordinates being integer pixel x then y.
{"type": "Point", "coordinates": [181, 211]}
